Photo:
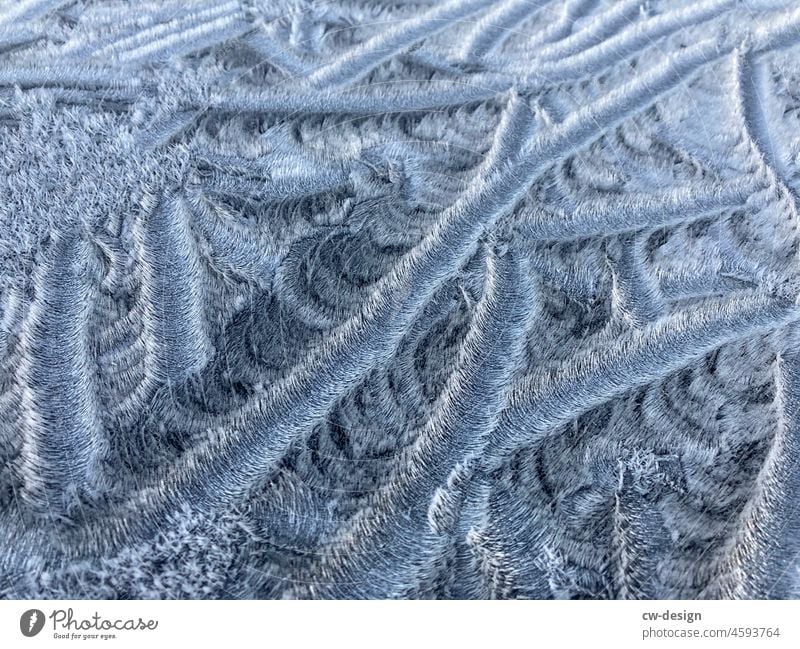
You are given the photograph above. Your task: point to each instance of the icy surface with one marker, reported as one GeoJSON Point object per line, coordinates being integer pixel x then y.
{"type": "Point", "coordinates": [399, 298]}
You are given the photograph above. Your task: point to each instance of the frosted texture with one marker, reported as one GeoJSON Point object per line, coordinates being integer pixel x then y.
{"type": "Point", "coordinates": [399, 299]}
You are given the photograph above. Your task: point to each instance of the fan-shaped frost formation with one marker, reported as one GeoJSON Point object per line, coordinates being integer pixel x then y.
{"type": "Point", "coordinates": [399, 298]}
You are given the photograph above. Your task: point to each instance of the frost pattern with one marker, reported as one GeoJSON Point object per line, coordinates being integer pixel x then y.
{"type": "Point", "coordinates": [399, 298]}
